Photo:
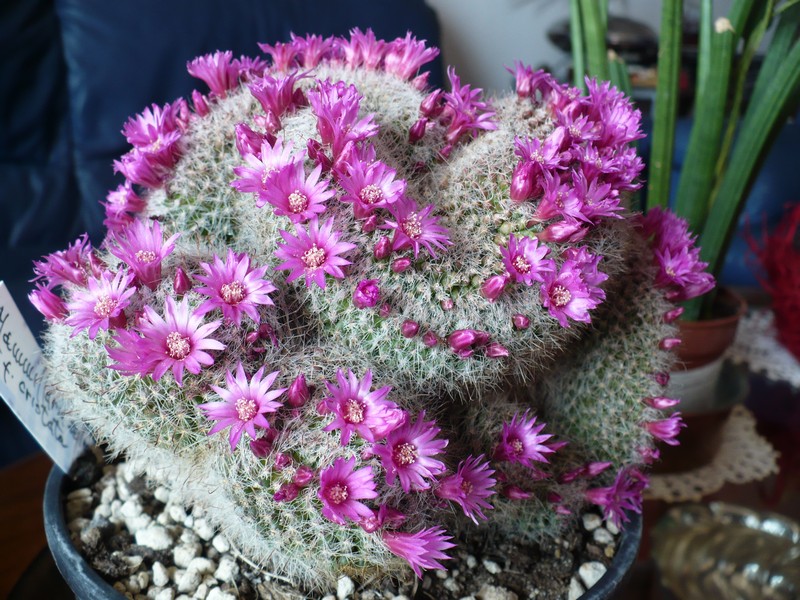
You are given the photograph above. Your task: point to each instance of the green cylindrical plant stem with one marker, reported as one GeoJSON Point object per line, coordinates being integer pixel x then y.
{"type": "Point", "coordinates": [751, 46]}
{"type": "Point", "coordinates": [619, 73]}
{"type": "Point", "coordinates": [785, 32]}
{"type": "Point", "coordinates": [704, 47]}
{"type": "Point", "coordinates": [757, 126]}
{"type": "Point", "coordinates": [595, 38]}
{"type": "Point", "coordinates": [576, 40]}
{"type": "Point", "coordinates": [666, 103]}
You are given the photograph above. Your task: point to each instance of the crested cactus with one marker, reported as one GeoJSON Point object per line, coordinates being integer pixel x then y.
{"type": "Point", "coordinates": [351, 316]}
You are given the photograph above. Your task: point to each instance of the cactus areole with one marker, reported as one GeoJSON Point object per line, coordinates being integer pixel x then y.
{"type": "Point", "coordinates": [424, 312]}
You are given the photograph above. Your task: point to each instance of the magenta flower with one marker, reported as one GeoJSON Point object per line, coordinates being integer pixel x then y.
{"type": "Point", "coordinates": [101, 304]}
{"type": "Point", "coordinates": [261, 171]}
{"type": "Point", "coordinates": [66, 266]}
{"type": "Point", "coordinates": [423, 549]}
{"type": "Point", "coordinates": [666, 430]}
{"type": "Point", "coordinates": [359, 410]}
{"type": "Point", "coordinates": [367, 293]}
{"type": "Point", "coordinates": [234, 287]}
{"type": "Point", "coordinates": [313, 49]}
{"type": "Point", "coordinates": [587, 263]}
{"type": "Point", "coordinates": [414, 228]}
{"type": "Point", "coordinates": [525, 261]}
{"type": "Point", "coordinates": [313, 253]}
{"type": "Point", "coordinates": [48, 303]}
{"type": "Point", "coordinates": [341, 488]}
{"type": "Point", "coordinates": [363, 50]}
{"type": "Point", "coordinates": [142, 247]}
{"type": "Point", "coordinates": [178, 341]}
{"type": "Point", "coordinates": [520, 441]}
{"type": "Point", "coordinates": [244, 404]}
{"type": "Point", "coordinates": [119, 206]}
{"type": "Point", "coordinates": [283, 54]}
{"type": "Point", "coordinates": [465, 114]}
{"type": "Point", "coordinates": [249, 141]}
{"type": "Point", "coordinates": [469, 487]}
{"type": "Point", "coordinates": [405, 56]}
{"type": "Point", "coordinates": [220, 71]}
{"type": "Point", "coordinates": [624, 495]}
{"type": "Point", "coordinates": [565, 294]}
{"type": "Point", "coordinates": [544, 155]}
{"type": "Point", "coordinates": [681, 269]}
{"type": "Point", "coordinates": [336, 107]}
{"type": "Point", "coordinates": [296, 196]}
{"type": "Point", "coordinates": [408, 454]}
{"type": "Point", "coordinates": [278, 95]}
{"type": "Point", "coordinates": [369, 185]}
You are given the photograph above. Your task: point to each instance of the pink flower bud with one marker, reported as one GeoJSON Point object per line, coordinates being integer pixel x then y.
{"type": "Point", "coordinates": [401, 264]}
{"type": "Point", "coordinates": [520, 321]}
{"type": "Point", "coordinates": [252, 337]}
{"type": "Point", "coordinates": [496, 350]}
{"type": "Point", "coordinates": [385, 310]}
{"type": "Point", "coordinates": [662, 379]}
{"type": "Point", "coordinates": [432, 105]}
{"type": "Point", "coordinates": [282, 461]}
{"type": "Point", "coordinates": [512, 492]}
{"type": "Point", "coordinates": [669, 343]}
{"type": "Point", "coordinates": [554, 498]}
{"type": "Point", "coordinates": [494, 287]}
{"type": "Point", "coordinates": [247, 140]}
{"type": "Point", "coordinates": [265, 331]}
{"type": "Point", "coordinates": [382, 249]}
{"type": "Point", "coordinates": [272, 122]}
{"type": "Point", "coordinates": [465, 354]}
{"type": "Point", "coordinates": [521, 182]}
{"type": "Point", "coordinates": [649, 455]}
{"type": "Point", "coordinates": [481, 338]}
{"type": "Point", "coordinates": [286, 493]}
{"type": "Point", "coordinates": [367, 293]}
{"type": "Point", "coordinates": [299, 98]}
{"type": "Point", "coordinates": [461, 339]}
{"type": "Point", "coordinates": [317, 154]}
{"type": "Point", "coordinates": [593, 469]}
{"type": "Point", "coordinates": [200, 104]}
{"type": "Point", "coordinates": [303, 476]}
{"type": "Point", "coordinates": [409, 328]}
{"type": "Point", "coordinates": [672, 315]}
{"type": "Point", "coordinates": [97, 266]}
{"type": "Point", "coordinates": [556, 446]}
{"type": "Point", "coordinates": [430, 339]}
{"type": "Point", "coordinates": [369, 224]}
{"type": "Point", "coordinates": [181, 284]}
{"type": "Point", "coordinates": [262, 446]}
{"type": "Point", "coordinates": [417, 131]}
{"type": "Point", "coordinates": [420, 82]}
{"type": "Point", "coordinates": [564, 231]}
{"type": "Point", "coordinates": [661, 402]}
{"type": "Point", "coordinates": [48, 303]}
{"type": "Point", "coordinates": [298, 393]}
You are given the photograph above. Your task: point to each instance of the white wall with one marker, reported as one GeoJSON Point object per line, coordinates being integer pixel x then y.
{"type": "Point", "coordinates": [480, 37]}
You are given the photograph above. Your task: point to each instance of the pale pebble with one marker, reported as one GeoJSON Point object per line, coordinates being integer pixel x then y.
{"type": "Point", "coordinates": [602, 536]}
{"type": "Point", "coordinates": [204, 529]}
{"type": "Point", "coordinates": [227, 569]}
{"type": "Point", "coordinates": [160, 574]}
{"type": "Point", "coordinates": [345, 587]}
{"type": "Point", "coordinates": [161, 494]}
{"type": "Point", "coordinates": [591, 572]}
{"type": "Point", "coordinates": [491, 566]}
{"type": "Point", "coordinates": [217, 594]}
{"type": "Point", "coordinates": [494, 592]}
{"type": "Point", "coordinates": [202, 565]}
{"type": "Point", "coordinates": [166, 594]}
{"type": "Point", "coordinates": [576, 590]}
{"type": "Point", "coordinates": [155, 537]}
{"type": "Point", "coordinates": [591, 521]}
{"type": "Point", "coordinates": [183, 554]}
{"type": "Point", "coordinates": [221, 544]}
{"type": "Point", "coordinates": [189, 581]}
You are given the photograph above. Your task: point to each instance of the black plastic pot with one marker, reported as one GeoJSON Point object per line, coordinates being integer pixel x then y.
{"type": "Point", "coordinates": [86, 584]}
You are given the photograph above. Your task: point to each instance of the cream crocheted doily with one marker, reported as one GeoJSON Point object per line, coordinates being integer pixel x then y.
{"type": "Point", "coordinates": [743, 456]}
{"type": "Point", "coordinates": [757, 347]}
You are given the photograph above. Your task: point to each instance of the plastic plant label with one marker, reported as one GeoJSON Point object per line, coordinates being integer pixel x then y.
{"type": "Point", "coordinates": [23, 386]}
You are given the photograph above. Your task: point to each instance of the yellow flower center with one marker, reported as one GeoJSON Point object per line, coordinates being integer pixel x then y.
{"type": "Point", "coordinates": [371, 194]}
{"type": "Point", "coordinates": [404, 454]}
{"type": "Point", "coordinates": [298, 202]}
{"type": "Point", "coordinates": [246, 409]}
{"type": "Point", "coordinates": [232, 292]}
{"type": "Point", "coordinates": [353, 411]}
{"type": "Point", "coordinates": [561, 296]}
{"type": "Point", "coordinates": [314, 257]}
{"type": "Point", "coordinates": [104, 306]}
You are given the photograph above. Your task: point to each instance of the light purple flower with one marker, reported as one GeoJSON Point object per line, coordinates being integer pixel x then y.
{"type": "Point", "coordinates": [565, 294]}
{"type": "Point", "coordinates": [469, 487]}
{"type": "Point", "coordinates": [313, 49]}
{"type": "Point", "coordinates": [358, 410]}
{"type": "Point", "coordinates": [465, 113]}
{"type": "Point", "coordinates": [101, 304]}
{"type": "Point", "coordinates": [48, 303]}
{"type": "Point", "coordinates": [624, 495]}
{"type": "Point", "coordinates": [175, 342]}
{"type": "Point", "coordinates": [119, 206]}
{"type": "Point", "coordinates": [521, 442]}
{"type": "Point", "coordinates": [72, 265]}
{"type": "Point", "coordinates": [369, 185]}
{"type": "Point", "coordinates": [219, 71]}
{"type": "Point", "coordinates": [423, 549]}
{"type": "Point", "coordinates": [313, 253]}
{"type": "Point", "coordinates": [587, 264]}
{"type": "Point", "coordinates": [666, 430]}
{"type": "Point", "coordinates": [283, 54]}
{"type": "Point", "coordinates": [408, 454]}
{"type": "Point", "coordinates": [363, 50]}
{"type": "Point", "coordinates": [414, 228]}
{"type": "Point", "coordinates": [278, 96]}
{"type": "Point", "coordinates": [341, 488]}
{"type": "Point", "coordinates": [404, 56]}
{"type": "Point", "coordinates": [234, 287]}
{"type": "Point", "coordinates": [367, 293]}
{"type": "Point", "coordinates": [296, 196]}
{"type": "Point", "coordinates": [525, 261]}
{"type": "Point", "coordinates": [244, 404]}
{"type": "Point", "coordinates": [257, 176]}
{"type": "Point", "coordinates": [142, 247]}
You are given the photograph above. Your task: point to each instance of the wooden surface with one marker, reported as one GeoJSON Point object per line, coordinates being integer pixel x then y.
{"type": "Point", "coordinates": [21, 525]}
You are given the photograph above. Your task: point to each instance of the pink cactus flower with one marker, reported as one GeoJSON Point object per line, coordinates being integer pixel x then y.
{"type": "Point", "coordinates": [405, 56]}
{"type": "Point", "coordinates": [66, 266]}
{"type": "Point", "coordinates": [408, 454]}
{"type": "Point", "coordinates": [295, 195]}
{"type": "Point", "coordinates": [525, 261]}
{"type": "Point", "coordinates": [566, 295]}
{"type": "Point", "coordinates": [367, 293]}
{"type": "Point", "coordinates": [414, 228]}
{"type": "Point", "coordinates": [521, 441]}
{"type": "Point", "coordinates": [48, 303]}
{"type": "Point", "coordinates": [264, 168]}
{"type": "Point", "coordinates": [101, 304]}
{"type": "Point", "coordinates": [363, 50]}
{"type": "Point", "coordinates": [341, 488]}
{"type": "Point", "coordinates": [422, 550]}
{"type": "Point", "coordinates": [667, 429]}
{"type": "Point", "coordinates": [369, 185]}
{"type": "Point", "coordinates": [624, 495]}
{"type": "Point", "coordinates": [313, 253]}
{"type": "Point", "coordinates": [469, 487]}
{"type": "Point", "coordinates": [220, 71]}
{"type": "Point", "coordinates": [142, 247]}
{"type": "Point", "coordinates": [244, 404]}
